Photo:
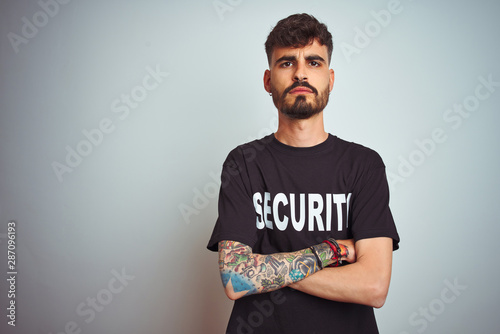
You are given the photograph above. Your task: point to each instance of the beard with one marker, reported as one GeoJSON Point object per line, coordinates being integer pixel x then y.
{"type": "Point", "coordinates": [300, 108]}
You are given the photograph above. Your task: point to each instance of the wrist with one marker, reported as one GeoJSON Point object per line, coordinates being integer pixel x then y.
{"type": "Point", "coordinates": [344, 253]}
{"type": "Point", "coordinates": [323, 255]}
{"type": "Point", "coordinates": [340, 251]}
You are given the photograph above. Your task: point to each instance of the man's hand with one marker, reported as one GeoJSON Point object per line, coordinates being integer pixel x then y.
{"type": "Point", "coordinates": [349, 243]}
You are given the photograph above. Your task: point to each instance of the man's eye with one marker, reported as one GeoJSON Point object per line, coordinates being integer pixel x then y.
{"type": "Point", "coordinates": [286, 64]}
{"type": "Point", "coordinates": [314, 63]}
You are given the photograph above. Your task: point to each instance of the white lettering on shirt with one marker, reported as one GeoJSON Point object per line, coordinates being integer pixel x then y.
{"type": "Point", "coordinates": [280, 209]}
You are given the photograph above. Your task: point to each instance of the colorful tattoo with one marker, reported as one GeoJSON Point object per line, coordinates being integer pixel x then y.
{"type": "Point", "coordinates": [247, 273]}
{"type": "Point", "coordinates": [239, 282]}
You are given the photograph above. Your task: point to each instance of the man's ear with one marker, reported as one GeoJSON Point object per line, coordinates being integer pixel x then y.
{"type": "Point", "coordinates": [332, 79]}
{"type": "Point", "coordinates": [267, 81]}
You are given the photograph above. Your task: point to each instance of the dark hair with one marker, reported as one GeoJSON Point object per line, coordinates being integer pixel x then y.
{"type": "Point", "coordinates": [298, 30]}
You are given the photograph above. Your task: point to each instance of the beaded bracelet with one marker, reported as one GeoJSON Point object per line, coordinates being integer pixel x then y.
{"type": "Point", "coordinates": [337, 250]}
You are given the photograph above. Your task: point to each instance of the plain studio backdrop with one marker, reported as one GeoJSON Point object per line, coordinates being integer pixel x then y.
{"type": "Point", "coordinates": [116, 117]}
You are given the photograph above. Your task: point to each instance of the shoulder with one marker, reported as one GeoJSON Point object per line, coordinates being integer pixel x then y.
{"type": "Point", "coordinates": [248, 152]}
{"type": "Point", "coordinates": [358, 154]}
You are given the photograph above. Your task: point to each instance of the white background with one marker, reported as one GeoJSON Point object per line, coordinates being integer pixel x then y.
{"type": "Point", "coordinates": [120, 208]}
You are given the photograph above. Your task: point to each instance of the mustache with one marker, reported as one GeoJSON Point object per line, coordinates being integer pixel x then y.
{"type": "Point", "coordinates": [300, 84]}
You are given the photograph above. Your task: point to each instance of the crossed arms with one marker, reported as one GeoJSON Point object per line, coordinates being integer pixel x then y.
{"type": "Point", "coordinates": [365, 281]}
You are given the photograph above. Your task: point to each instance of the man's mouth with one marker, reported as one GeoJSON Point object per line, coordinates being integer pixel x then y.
{"type": "Point", "coordinates": [301, 90]}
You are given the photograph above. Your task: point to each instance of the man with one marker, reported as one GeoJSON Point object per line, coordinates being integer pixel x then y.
{"type": "Point", "coordinates": [305, 235]}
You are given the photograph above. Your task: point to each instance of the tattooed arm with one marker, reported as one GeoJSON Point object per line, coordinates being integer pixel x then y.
{"type": "Point", "coordinates": [244, 273]}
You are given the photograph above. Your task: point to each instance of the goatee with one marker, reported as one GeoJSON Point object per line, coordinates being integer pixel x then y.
{"type": "Point", "coordinates": [301, 109]}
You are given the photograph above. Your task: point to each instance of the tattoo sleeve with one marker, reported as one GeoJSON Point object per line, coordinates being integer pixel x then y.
{"type": "Point", "coordinates": [247, 273]}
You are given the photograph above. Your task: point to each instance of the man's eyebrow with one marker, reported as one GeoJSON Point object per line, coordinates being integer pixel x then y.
{"type": "Point", "coordinates": [285, 58]}
{"type": "Point", "coordinates": [315, 57]}
{"type": "Point", "coordinates": [293, 58]}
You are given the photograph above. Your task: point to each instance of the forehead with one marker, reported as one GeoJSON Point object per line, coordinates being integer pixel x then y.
{"type": "Point", "coordinates": [312, 49]}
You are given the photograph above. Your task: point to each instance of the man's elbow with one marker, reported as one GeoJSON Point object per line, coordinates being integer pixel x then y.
{"type": "Point", "coordinates": [231, 294]}
{"type": "Point", "coordinates": [379, 300]}
{"type": "Point", "coordinates": [378, 294]}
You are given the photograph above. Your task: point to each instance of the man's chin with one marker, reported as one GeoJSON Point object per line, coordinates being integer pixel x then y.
{"type": "Point", "coordinates": [299, 98]}
{"type": "Point", "coordinates": [299, 113]}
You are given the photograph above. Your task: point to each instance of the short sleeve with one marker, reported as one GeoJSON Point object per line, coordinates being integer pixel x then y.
{"type": "Point", "coordinates": [236, 214]}
{"type": "Point", "coordinates": [371, 216]}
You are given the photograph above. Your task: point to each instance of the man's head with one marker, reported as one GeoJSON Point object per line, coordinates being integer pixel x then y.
{"type": "Point", "coordinates": [298, 30]}
{"type": "Point", "coordinates": [299, 50]}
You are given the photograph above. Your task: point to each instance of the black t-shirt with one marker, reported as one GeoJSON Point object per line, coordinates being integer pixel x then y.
{"type": "Point", "coordinates": [278, 198]}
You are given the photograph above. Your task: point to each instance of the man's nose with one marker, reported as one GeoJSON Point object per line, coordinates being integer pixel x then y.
{"type": "Point", "coordinates": [300, 72]}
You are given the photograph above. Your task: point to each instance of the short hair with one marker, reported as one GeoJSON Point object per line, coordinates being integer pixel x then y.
{"type": "Point", "coordinates": [298, 30]}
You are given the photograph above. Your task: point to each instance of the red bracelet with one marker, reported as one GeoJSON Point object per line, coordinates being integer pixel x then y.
{"type": "Point", "coordinates": [335, 252]}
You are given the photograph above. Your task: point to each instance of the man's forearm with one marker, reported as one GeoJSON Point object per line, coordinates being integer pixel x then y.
{"type": "Point", "coordinates": [364, 282]}
{"type": "Point", "coordinates": [244, 273]}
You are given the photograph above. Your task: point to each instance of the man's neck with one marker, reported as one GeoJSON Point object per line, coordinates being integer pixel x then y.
{"type": "Point", "coordinates": [301, 132]}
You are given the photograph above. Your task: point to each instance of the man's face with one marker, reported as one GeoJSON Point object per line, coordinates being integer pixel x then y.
{"type": "Point", "coordinates": [299, 80]}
